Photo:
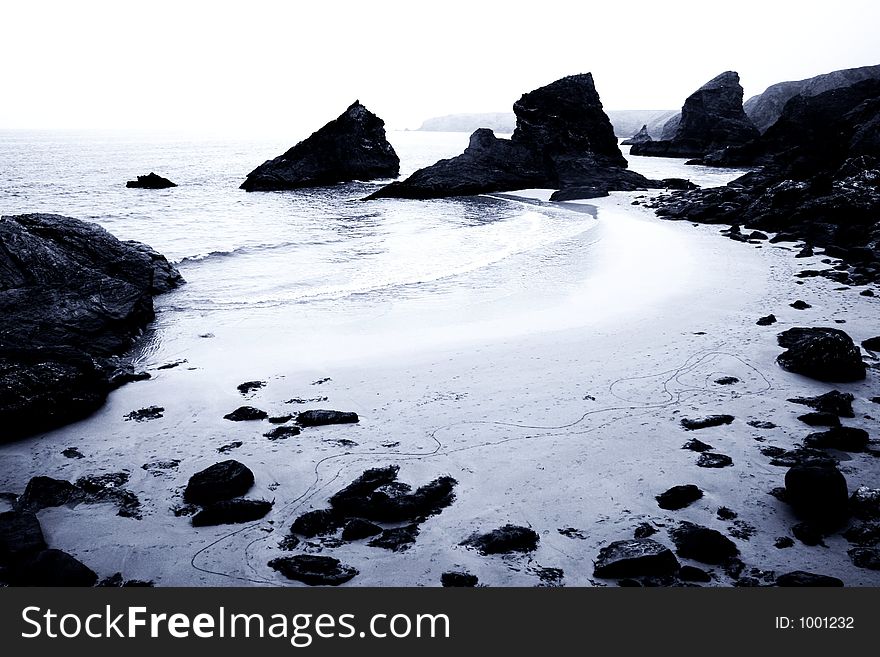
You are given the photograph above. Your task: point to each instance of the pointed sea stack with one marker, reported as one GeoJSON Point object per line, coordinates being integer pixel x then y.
{"type": "Point", "coordinates": [712, 118]}
{"type": "Point", "coordinates": [563, 140]}
{"type": "Point", "coordinates": [351, 147]}
{"type": "Point", "coordinates": [640, 137]}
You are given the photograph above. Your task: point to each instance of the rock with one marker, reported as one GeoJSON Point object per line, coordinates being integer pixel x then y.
{"type": "Point", "coordinates": [634, 558]}
{"type": "Point", "coordinates": [398, 539]}
{"type": "Point", "coordinates": [317, 418]}
{"type": "Point", "coordinates": [678, 497]}
{"type": "Point", "coordinates": [351, 147]}
{"type": "Point", "coordinates": [712, 460]}
{"type": "Point", "coordinates": [693, 574]}
{"type": "Point", "coordinates": [702, 544]}
{"type": "Point", "coordinates": [146, 414]}
{"type": "Point", "coordinates": [71, 297]}
{"type": "Point", "coordinates": [709, 421]}
{"type": "Point", "coordinates": [53, 568]}
{"type": "Point", "coordinates": [319, 522]}
{"type": "Point", "coordinates": [712, 118]}
{"type": "Point", "coordinates": [228, 447]}
{"type": "Point", "coordinates": [644, 530]}
{"type": "Point", "coordinates": [808, 533]}
{"type": "Point", "coordinates": [221, 481]}
{"type": "Point", "coordinates": [761, 424]}
{"type": "Point", "coordinates": [456, 578]}
{"type": "Point", "coordinates": [250, 386]}
{"type": "Point", "coordinates": [817, 494]}
{"type": "Point", "coordinates": [504, 540]}
{"type": "Point", "coordinates": [865, 557]}
{"type": "Point", "coordinates": [280, 419]}
{"type": "Point", "coordinates": [783, 542]}
{"type": "Point", "coordinates": [800, 305]}
{"type": "Point", "coordinates": [639, 138]}
{"type": "Point", "coordinates": [820, 419]}
{"type": "Point", "coordinates": [872, 344]}
{"type": "Point", "coordinates": [72, 453]}
{"type": "Point", "coordinates": [314, 570]}
{"type": "Point", "coordinates": [825, 354]}
{"type": "Point", "coordinates": [766, 320]}
{"type": "Point", "coordinates": [43, 492]}
{"type": "Point", "coordinates": [803, 578]}
{"type": "Point", "coordinates": [865, 503]}
{"type": "Point", "coordinates": [867, 293]}
{"type": "Point", "coordinates": [727, 380]}
{"type": "Point", "coordinates": [836, 402]}
{"type": "Point", "coordinates": [697, 445]}
{"type": "Point", "coordinates": [563, 139]}
{"type": "Point", "coordinates": [150, 181]}
{"type": "Point", "coordinates": [863, 533]}
{"type": "Point", "coordinates": [847, 439]}
{"type": "Point", "coordinates": [158, 468]}
{"type": "Point", "coordinates": [282, 433]}
{"type": "Point", "coordinates": [20, 536]}
{"type": "Point", "coordinates": [246, 414]}
{"type": "Point", "coordinates": [806, 252]}
{"type": "Point", "coordinates": [792, 457]}
{"type": "Point", "coordinates": [227, 512]}
{"type": "Point", "coordinates": [724, 513]}
{"type": "Point", "coordinates": [358, 528]}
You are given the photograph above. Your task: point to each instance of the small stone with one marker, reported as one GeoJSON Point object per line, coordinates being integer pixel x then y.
{"type": "Point", "coordinates": [697, 445]}
{"type": "Point", "coordinates": [72, 453]}
{"type": "Point", "coordinates": [712, 460]}
{"type": "Point", "coordinates": [800, 305]}
{"type": "Point", "coordinates": [706, 422]}
{"type": "Point", "coordinates": [245, 414]}
{"type": "Point", "coordinates": [726, 514]}
{"type": "Point", "coordinates": [678, 497]}
{"type": "Point", "coordinates": [314, 570]}
{"type": "Point", "coordinates": [315, 418]}
{"type": "Point", "coordinates": [506, 539]}
{"type": "Point", "coordinates": [783, 542]}
{"type": "Point", "coordinates": [767, 320]}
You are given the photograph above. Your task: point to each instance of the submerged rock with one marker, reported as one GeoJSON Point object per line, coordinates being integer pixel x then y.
{"type": "Point", "coordinates": [679, 497]}
{"type": "Point", "coordinates": [506, 539]}
{"type": "Point", "coordinates": [634, 558]}
{"type": "Point", "coordinates": [314, 570]}
{"type": "Point", "coordinates": [351, 147]}
{"type": "Point", "coordinates": [317, 418]}
{"type": "Point", "coordinates": [702, 544]}
{"type": "Point", "coordinates": [221, 481]}
{"type": "Point", "coordinates": [150, 181]}
{"type": "Point", "coordinates": [825, 354]}
{"type": "Point", "coordinates": [232, 511]}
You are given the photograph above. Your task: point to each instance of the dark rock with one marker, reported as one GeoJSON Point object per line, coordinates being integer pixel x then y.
{"type": "Point", "coordinates": [678, 497]}
{"type": "Point", "coordinates": [20, 536]}
{"type": "Point", "coordinates": [767, 320]}
{"type": "Point", "coordinates": [53, 568]}
{"type": "Point", "coordinates": [629, 582]}
{"type": "Point", "coordinates": [633, 558]}
{"type": "Point", "coordinates": [280, 419]}
{"type": "Point", "coordinates": [820, 419]}
{"type": "Point", "coordinates": [314, 570]}
{"type": "Point", "coordinates": [783, 542]}
{"type": "Point", "coordinates": [678, 183]}
{"type": "Point", "coordinates": [282, 433]}
{"type": "Point", "coordinates": [73, 453]}
{"type": "Point", "coordinates": [825, 354]}
{"type": "Point", "coordinates": [250, 386]}
{"type": "Point", "coordinates": [806, 252]}
{"type": "Point", "coordinates": [374, 496]}
{"type": "Point", "coordinates": [697, 445]}
{"type": "Point", "coordinates": [693, 574]}
{"type": "Point", "coordinates": [506, 539]}
{"type": "Point", "coordinates": [228, 512]}
{"type": "Point", "coordinates": [358, 528]}
{"type": "Point", "coordinates": [228, 447]}
{"type": "Point", "coordinates": [865, 503]}
{"type": "Point", "coordinates": [800, 305]}
{"type": "Point", "coordinates": [865, 557]}
{"type": "Point", "coordinates": [317, 418]}
{"type": "Point", "coordinates": [455, 578]}
{"type": "Point", "coordinates": [398, 539]}
{"type": "Point", "coordinates": [761, 424]}
{"type": "Point", "coordinates": [872, 344]}
{"type": "Point", "coordinates": [863, 533]}
{"type": "Point", "coordinates": [703, 423]}
{"type": "Point", "coordinates": [712, 460]}
{"type": "Point", "coordinates": [150, 181]}
{"type": "Point", "coordinates": [757, 235]}
{"type": "Point", "coordinates": [808, 533]}
{"type": "Point", "coordinates": [817, 494]}
{"type": "Point", "coordinates": [351, 147]}
{"type": "Point", "coordinates": [245, 414]}
{"type": "Point", "coordinates": [712, 118]}
{"type": "Point", "coordinates": [172, 364]}
{"type": "Point", "coordinates": [146, 414]}
{"type": "Point", "coordinates": [702, 544]}
{"type": "Point", "coordinates": [847, 439]}
{"type": "Point", "coordinates": [319, 522]}
{"type": "Point", "coordinates": [836, 402]}
{"type": "Point", "coordinates": [803, 578]}
{"type": "Point", "coordinates": [725, 513]}
{"type": "Point", "coordinates": [640, 137]}
{"type": "Point", "coordinates": [158, 468]}
{"type": "Point", "coordinates": [727, 380]}
{"type": "Point", "coordinates": [563, 139]}
{"type": "Point", "coordinates": [579, 193]}
{"type": "Point", "coordinates": [867, 293]}
{"type": "Point", "coordinates": [644, 530]}
{"type": "Point", "coordinates": [221, 481]}
{"type": "Point", "coordinates": [43, 492]}
{"type": "Point", "coordinates": [807, 457]}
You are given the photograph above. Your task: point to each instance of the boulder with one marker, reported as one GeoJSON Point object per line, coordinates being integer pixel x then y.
{"type": "Point", "coordinates": [314, 570]}
{"type": "Point", "coordinates": [695, 445]}
{"type": "Point", "coordinates": [563, 139]}
{"type": "Point", "coordinates": [703, 544]}
{"type": "Point", "coordinates": [679, 497]}
{"type": "Point", "coordinates": [865, 557]}
{"type": "Point", "coordinates": [221, 481]}
{"type": "Point", "coordinates": [706, 422]}
{"type": "Point", "coordinates": [767, 320]}
{"type": "Point", "coordinates": [640, 137]}
{"type": "Point", "coordinates": [836, 402]}
{"type": "Point", "coordinates": [872, 344]}
{"type": "Point", "coordinates": [317, 418]}
{"type": "Point", "coordinates": [712, 118]}
{"type": "Point", "coordinates": [282, 433]}
{"type": "Point", "coordinates": [865, 503]}
{"type": "Point", "coordinates": [825, 354]}
{"type": "Point", "coordinates": [42, 492]}
{"type": "Point", "coordinates": [71, 297]}
{"type": "Point", "coordinates": [150, 181]}
{"type": "Point", "coordinates": [246, 414]}
{"type": "Point", "coordinates": [456, 578]}
{"type": "Point", "coordinates": [820, 419]}
{"type": "Point", "coordinates": [847, 439]}
{"type": "Point", "coordinates": [351, 147]}
{"type": "Point", "coordinates": [803, 578]}
{"type": "Point", "coordinates": [633, 558]}
{"type": "Point", "coordinates": [319, 522]}
{"type": "Point", "coordinates": [20, 536]}
{"type": "Point", "coordinates": [397, 539]}
{"type": "Point", "coordinates": [817, 494]}
{"type": "Point", "coordinates": [227, 512]}
{"type": "Point", "coordinates": [504, 540]}
{"type": "Point", "coordinates": [713, 460]}
{"type": "Point", "coordinates": [53, 568]}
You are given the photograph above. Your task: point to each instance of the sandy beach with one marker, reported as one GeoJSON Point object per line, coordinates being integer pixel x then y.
{"type": "Point", "coordinates": [554, 406]}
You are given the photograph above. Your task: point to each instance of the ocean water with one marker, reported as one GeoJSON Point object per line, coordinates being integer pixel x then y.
{"type": "Point", "coordinates": [318, 266]}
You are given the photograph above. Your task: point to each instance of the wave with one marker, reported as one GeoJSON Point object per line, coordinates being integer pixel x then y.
{"type": "Point", "coordinates": [245, 249]}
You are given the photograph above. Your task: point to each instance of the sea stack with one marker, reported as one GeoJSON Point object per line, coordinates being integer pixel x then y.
{"type": "Point", "coordinates": [640, 137]}
{"type": "Point", "coordinates": [150, 181]}
{"type": "Point", "coordinates": [351, 147]}
{"type": "Point", "coordinates": [712, 118]}
{"type": "Point", "coordinates": [563, 139]}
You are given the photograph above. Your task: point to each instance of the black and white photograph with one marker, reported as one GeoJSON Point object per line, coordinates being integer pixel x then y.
{"type": "Point", "coordinates": [460, 294]}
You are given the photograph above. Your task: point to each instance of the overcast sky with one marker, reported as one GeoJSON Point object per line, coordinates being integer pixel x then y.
{"type": "Point", "coordinates": [267, 65]}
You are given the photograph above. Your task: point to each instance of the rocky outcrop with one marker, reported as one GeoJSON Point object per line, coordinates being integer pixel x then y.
{"type": "Point", "coordinates": [351, 147]}
{"type": "Point", "coordinates": [712, 118]}
{"type": "Point", "coordinates": [221, 481]}
{"type": "Point", "coordinates": [71, 297]}
{"type": "Point", "coordinates": [150, 181]}
{"type": "Point", "coordinates": [640, 137]}
{"type": "Point", "coordinates": [563, 138]}
{"type": "Point", "coordinates": [766, 108]}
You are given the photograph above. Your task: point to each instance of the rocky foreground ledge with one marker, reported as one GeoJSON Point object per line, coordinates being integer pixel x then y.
{"type": "Point", "coordinates": [72, 299]}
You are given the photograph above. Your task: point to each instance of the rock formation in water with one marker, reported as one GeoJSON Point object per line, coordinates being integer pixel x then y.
{"type": "Point", "coordinates": [712, 118]}
{"type": "Point", "coordinates": [562, 139]}
{"type": "Point", "coordinates": [150, 181]}
{"type": "Point", "coordinates": [72, 297]}
{"type": "Point", "coordinates": [766, 108]}
{"type": "Point", "coordinates": [351, 147]}
{"type": "Point", "coordinates": [639, 138]}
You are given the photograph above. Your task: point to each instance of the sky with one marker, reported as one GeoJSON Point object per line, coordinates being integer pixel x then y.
{"type": "Point", "coordinates": [266, 66]}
